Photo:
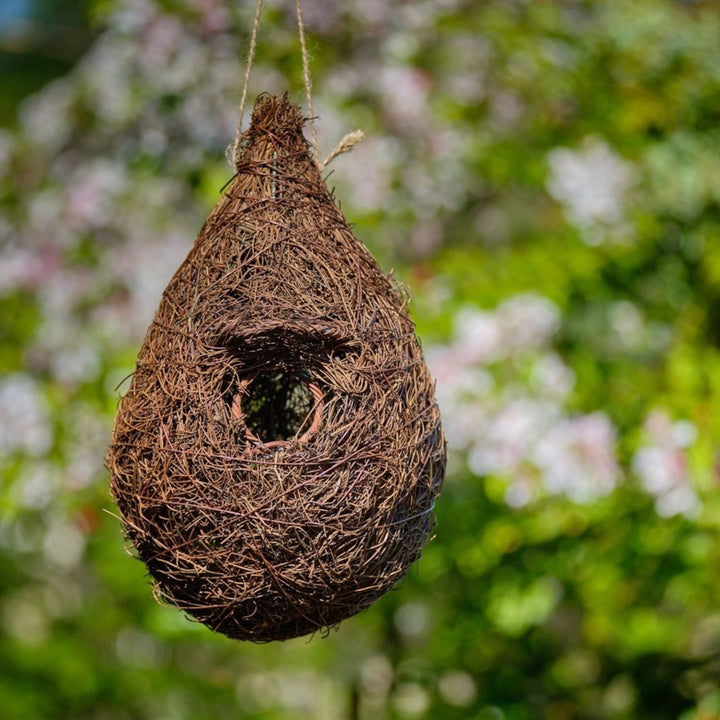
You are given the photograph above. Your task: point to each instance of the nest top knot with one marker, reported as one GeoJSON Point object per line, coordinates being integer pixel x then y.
{"type": "Point", "coordinates": [277, 455]}
{"type": "Point", "coordinates": [276, 129]}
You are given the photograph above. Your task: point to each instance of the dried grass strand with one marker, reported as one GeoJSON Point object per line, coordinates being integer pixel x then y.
{"type": "Point", "coordinates": [346, 144]}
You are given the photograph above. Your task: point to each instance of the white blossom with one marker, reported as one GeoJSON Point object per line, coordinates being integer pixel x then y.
{"type": "Point", "coordinates": [518, 428]}
{"type": "Point", "coordinates": [661, 464]}
{"type": "Point", "coordinates": [577, 457]}
{"type": "Point", "coordinates": [590, 183]}
{"type": "Point", "coordinates": [24, 423]}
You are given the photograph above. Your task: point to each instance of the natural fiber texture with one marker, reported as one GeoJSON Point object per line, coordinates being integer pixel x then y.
{"type": "Point", "coordinates": [277, 455]}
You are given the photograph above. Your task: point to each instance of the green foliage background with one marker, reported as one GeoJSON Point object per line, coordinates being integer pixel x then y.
{"type": "Point", "coordinates": [556, 606]}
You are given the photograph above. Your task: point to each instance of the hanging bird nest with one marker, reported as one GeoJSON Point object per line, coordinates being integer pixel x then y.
{"type": "Point", "coordinates": [277, 455]}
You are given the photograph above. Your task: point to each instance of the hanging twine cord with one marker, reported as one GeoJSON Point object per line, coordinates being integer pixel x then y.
{"type": "Point", "coordinates": [349, 141]}
{"type": "Point", "coordinates": [307, 79]}
{"type": "Point", "coordinates": [346, 144]}
{"type": "Point", "coordinates": [235, 154]}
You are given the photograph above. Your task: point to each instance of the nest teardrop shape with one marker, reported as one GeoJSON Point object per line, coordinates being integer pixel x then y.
{"type": "Point", "coordinates": [278, 452]}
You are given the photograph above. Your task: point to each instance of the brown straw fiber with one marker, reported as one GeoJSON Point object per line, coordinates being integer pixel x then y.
{"type": "Point", "coordinates": [278, 453]}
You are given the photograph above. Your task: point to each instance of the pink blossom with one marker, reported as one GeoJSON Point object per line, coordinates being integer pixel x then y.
{"type": "Point", "coordinates": [661, 464]}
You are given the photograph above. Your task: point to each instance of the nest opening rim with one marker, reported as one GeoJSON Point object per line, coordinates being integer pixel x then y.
{"type": "Point", "coordinates": [257, 411]}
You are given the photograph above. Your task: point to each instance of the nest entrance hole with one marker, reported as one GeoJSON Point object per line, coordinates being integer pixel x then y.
{"type": "Point", "coordinates": [278, 407]}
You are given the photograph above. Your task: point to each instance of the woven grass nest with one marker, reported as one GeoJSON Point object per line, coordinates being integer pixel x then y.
{"type": "Point", "coordinates": [278, 452]}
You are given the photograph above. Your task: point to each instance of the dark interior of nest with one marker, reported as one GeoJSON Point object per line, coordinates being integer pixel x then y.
{"type": "Point", "coordinates": [273, 392]}
{"type": "Point", "coordinates": [278, 407]}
